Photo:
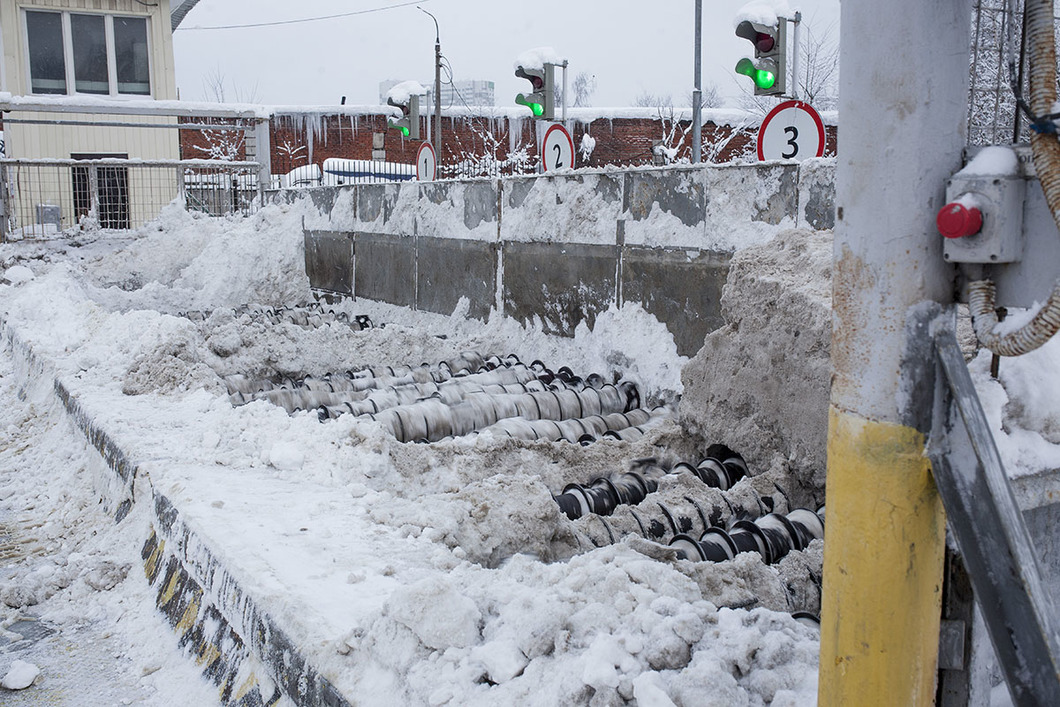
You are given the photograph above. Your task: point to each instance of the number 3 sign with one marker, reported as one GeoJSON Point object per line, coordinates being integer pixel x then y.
{"type": "Point", "coordinates": [792, 131]}
{"type": "Point", "coordinates": [557, 149]}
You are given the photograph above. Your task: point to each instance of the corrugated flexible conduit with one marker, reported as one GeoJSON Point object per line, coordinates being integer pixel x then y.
{"type": "Point", "coordinates": [1045, 150]}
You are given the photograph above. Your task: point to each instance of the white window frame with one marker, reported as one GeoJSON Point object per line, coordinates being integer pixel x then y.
{"type": "Point", "coordinates": [68, 53]}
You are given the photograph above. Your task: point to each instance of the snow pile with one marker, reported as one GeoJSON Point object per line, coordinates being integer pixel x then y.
{"type": "Point", "coordinates": [613, 625]}
{"type": "Point", "coordinates": [439, 572]}
{"type": "Point", "coordinates": [1023, 407]}
{"type": "Point", "coordinates": [81, 618]}
{"type": "Point", "coordinates": [761, 382]}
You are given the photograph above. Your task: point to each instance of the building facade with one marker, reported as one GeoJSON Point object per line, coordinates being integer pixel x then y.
{"type": "Point", "coordinates": [100, 52]}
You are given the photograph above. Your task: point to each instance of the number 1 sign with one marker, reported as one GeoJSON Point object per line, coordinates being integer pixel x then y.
{"type": "Point", "coordinates": [792, 131]}
{"type": "Point", "coordinates": [557, 149]}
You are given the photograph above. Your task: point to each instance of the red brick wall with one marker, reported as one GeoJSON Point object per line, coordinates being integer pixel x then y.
{"type": "Point", "coordinates": [619, 141]}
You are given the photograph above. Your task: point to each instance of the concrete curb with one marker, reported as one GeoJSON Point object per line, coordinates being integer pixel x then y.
{"type": "Point", "coordinates": [238, 646]}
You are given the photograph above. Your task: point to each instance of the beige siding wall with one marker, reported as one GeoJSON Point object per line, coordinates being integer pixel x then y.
{"type": "Point", "coordinates": [16, 74]}
{"type": "Point", "coordinates": [62, 141]}
{"type": "Point", "coordinates": [33, 141]}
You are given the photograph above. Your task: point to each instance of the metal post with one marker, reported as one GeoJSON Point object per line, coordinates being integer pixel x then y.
{"type": "Point", "coordinates": [5, 204]}
{"type": "Point", "coordinates": [437, 98]}
{"type": "Point", "coordinates": [697, 93]}
{"type": "Point", "coordinates": [795, 55]}
{"type": "Point", "coordinates": [564, 116]}
{"type": "Point", "coordinates": [262, 154]}
{"type": "Point", "coordinates": [437, 88]}
{"type": "Point", "coordinates": [901, 136]}
{"type": "Point", "coordinates": [93, 191]}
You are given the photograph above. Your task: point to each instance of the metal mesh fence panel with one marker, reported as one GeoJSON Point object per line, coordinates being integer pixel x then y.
{"type": "Point", "coordinates": [45, 197]}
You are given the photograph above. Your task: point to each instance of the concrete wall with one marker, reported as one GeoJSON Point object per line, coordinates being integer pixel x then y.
{"type": "Point", "coordinates": [561, 249]}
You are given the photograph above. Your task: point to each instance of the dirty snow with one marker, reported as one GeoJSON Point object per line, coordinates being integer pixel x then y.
{"type": "Point", "coordinates": [437, 574]}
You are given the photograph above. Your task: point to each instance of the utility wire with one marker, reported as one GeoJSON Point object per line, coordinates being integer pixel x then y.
{"type": "Point", "coordinates": [307, 19]}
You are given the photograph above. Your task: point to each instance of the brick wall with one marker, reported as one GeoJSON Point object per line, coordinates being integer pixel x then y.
{"type": "Point", "coordinates": [480, 145]}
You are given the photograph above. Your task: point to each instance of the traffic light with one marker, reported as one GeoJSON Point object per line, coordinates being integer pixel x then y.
{"type": "Point", "coordinates": [409, 124]}
{"type": "Point", "coordinates": [768, 71]}
{"type": "Point", "coordinates": [541, 101]}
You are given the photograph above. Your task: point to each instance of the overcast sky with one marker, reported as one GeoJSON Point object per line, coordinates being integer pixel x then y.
{"type": "Point", "coordinates": [631, 46]}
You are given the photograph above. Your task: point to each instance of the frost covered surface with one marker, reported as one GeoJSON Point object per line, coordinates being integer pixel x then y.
{"type": "Point", "coordinates": [438, 573]}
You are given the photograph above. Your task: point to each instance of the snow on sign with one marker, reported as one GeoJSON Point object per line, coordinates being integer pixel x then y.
{"type": "Point", "coordinates": [426, 163]}
{"type": "Point", "coordinates": [792, 131]}
{"type": "Point", "coordinates": [557, 149]}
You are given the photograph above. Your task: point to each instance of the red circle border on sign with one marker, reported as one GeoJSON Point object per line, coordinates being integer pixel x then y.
{"type": "Point", "coordinates": [801, 105]}
{"type": "Point", "coordinates": [570, 140]}
{"type": "Point", "coordinates": [430, 147]}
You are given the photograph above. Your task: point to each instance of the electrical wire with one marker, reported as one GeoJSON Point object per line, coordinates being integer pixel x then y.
{"type": "Point", "coordinates": [308, 19]}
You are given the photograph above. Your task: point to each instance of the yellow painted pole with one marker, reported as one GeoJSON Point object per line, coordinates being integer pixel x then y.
{"type": "Point", "coordinates": [902, 111]}
{"type": "Point", "coordinates": [883, 591]}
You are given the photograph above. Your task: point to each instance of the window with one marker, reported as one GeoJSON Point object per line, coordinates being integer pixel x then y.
{"type": "Point", "coordinates": [108, 186]}
{"type": "Point", "coordinates": [95, 54]}
{"type": "Point", "coordinates": [47, 65]}
{"type": "Point", "coordinates": [90, 54]}
{"type": "Point", "coordinates": [130, 55]}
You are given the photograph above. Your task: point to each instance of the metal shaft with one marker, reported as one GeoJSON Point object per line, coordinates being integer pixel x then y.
{"type": "Point", "coordinates": [902, 99]}
{"type": "Point", "coordinates": [697, 93]}
{"type": "Point", "coordinates": [438, 101]}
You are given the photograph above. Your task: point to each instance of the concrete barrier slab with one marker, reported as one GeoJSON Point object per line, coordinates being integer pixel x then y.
{"type": "Point", "coordinates": [386, 268]}
{"type": "Point", "coordinates": [329, 261]}
{"type": "Point", "coordinates": [817, 194]}
{"type": "Point", "coordinates": [448, 269]}
{"type": "Point", "coordinates": [680, 288]}
{"type": "Point", "coordinates": [560, 284]}
{"type": "Point", "coordinates": [565, 209]}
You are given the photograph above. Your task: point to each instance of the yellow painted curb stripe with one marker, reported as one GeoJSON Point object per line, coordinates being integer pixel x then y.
{"type": "Point", "coordinates": [884, 546]}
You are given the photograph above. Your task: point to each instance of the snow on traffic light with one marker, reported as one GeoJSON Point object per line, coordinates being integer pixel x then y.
{"type": "Point", "coordinates": [768, 70]}
{"type": "Point", "coordinates": [406, 97]}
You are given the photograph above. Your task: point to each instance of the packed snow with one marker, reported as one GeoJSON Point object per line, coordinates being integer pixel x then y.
{"type": "Point", "coordinates": [408, 573]}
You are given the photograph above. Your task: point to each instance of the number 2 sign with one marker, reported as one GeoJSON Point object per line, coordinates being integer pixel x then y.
{"type": "Point", "coordinates": [557, 149]}
{"type": "Point", "coordinates": [792, 131]}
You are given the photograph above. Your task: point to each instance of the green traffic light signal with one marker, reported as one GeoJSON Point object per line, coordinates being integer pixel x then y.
{"type": "Point", "coordinates": [398, 125]}
{"type": "Point", "coordinates": [762, 78]}
{"type": "Point", "coordinates": [536, 108]}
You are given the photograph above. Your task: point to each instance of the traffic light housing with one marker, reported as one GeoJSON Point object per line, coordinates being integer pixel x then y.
{"type": "Point", "coordinates": [409, 123]}
{"type": "Point", "coordinates": [769, 69]}
{"type": "Point", "coordinates": [541, 99]}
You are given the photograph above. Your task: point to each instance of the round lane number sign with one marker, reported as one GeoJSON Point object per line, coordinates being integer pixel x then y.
{"type": "Point", "coordinates": [792, 131]}
{"type": "Point", "coordinates": [557, 149]}
{"type": "Point", "coordinates": [426, 163]}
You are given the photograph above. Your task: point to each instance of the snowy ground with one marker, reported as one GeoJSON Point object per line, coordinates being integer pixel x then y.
{"type": "Point", "coordinates": [437, 574]}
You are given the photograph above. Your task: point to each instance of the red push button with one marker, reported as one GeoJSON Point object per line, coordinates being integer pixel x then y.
{"type": "Point", "coordinates": [958, 219]}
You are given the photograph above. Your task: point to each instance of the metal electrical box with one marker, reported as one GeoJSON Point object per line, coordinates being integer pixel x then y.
{"type": "Point", "coordinates": [1000, 199]}
{"type": "Point", "coordinates": [1018, 247]}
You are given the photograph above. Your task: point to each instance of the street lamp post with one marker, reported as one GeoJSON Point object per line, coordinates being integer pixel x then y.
{"type": "Point", "coordinates": [437, 86]}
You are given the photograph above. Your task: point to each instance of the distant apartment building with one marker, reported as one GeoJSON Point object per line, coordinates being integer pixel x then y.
{"type": "Point", "coordinates": [458, 93]}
